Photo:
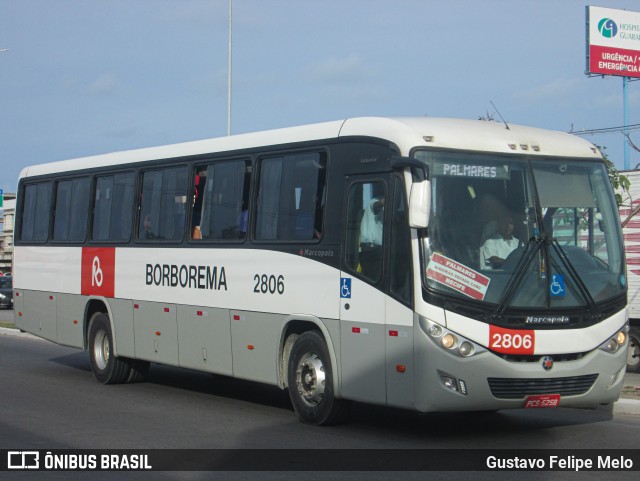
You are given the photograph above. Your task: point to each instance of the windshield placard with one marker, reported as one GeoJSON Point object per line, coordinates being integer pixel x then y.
{"type": "Point", "coordinates": [460, 169]}
{"type": "Point", "coordinates": [459, 277]}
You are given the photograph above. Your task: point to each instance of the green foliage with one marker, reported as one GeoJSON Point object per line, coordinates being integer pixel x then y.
{"type": "Point", "coordinates": [619, 181]}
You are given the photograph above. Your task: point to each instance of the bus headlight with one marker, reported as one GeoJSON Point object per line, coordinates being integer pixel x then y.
{"type": "Point", "coordinates": [616, 342]}
{"type": "Point", "coordinates": [449, 341]}
{"type": "Point", "coordinates": [435, 330]}
{"type": "Point", "coordinates": [622, 338]}
{"type": "Point", "coordinates": [466, 349]}
{"type": "Point", "coordinates": [610, 346]}
{"type": "Point", "coordinates": [452, 342]}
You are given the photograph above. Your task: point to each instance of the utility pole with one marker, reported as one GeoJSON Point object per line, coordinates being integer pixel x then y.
{"type": "Point", "coordinates": [229, 79]}
{"type": "Point", "coordinates": [625, 101]}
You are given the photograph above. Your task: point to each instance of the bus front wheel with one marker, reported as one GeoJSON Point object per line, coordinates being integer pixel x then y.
{"type": "Point", "coordinates": [310, 382]}
{"type": "Point", "coordinates": [106, 367]}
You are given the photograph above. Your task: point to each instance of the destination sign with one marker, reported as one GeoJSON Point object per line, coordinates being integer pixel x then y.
{"type": "Point", "coordinates": [459, 169]}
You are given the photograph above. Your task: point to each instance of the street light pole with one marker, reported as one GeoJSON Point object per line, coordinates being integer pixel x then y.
{"type": "Point", "coordinates": [625, 114]}
{"type": "Point", "coordinates": [229, 79]}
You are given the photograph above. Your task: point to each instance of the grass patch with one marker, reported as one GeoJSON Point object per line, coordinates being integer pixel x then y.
{"type": "Point", "coordinates": [9, 325]}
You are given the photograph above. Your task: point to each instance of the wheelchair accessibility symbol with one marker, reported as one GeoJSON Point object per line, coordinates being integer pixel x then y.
{"type": "Point", "coordinates": [345, 288]}
{"type": "Point", "coordinates": [557, 286]}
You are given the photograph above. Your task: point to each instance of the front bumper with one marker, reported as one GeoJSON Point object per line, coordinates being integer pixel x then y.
{"type": "Point", "coordinates": [595, 378]}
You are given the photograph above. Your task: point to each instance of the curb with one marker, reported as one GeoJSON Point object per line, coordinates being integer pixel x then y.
{"type": "Point", "coordinates": [627, 407]}
{"type": "Point", "coordinates": [17, 333]}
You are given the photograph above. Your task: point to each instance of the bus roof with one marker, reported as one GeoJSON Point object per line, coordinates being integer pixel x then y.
{"type": "Point", "coordinates": [406, 133]}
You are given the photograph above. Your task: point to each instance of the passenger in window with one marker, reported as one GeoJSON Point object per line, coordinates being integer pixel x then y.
{"type": "Point", "coordinates": [200, 181]}
{"type": "Point", "coordinates": [371, 236]}
{"type": "Point", "coordinates": [496, 249]}
{"type": "Point", "coordinates": [242, 222]}
{"type": "Point", "coordinates": [317, 218]}
{"type": "Point", "coordinates": [148, 230]}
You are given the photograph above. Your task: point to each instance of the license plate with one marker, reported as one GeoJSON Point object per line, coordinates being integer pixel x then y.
{"type": "Point", "coordinates": [542, 401]}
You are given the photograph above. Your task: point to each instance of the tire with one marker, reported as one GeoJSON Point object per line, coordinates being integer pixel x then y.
{"type": "Point", "coordinates": [633, 360]}
{"type": "Point", "coordinates": [139, 370]}
{"type": "Point", "coordinates": [106, 367]}
{"type": "Point", "coordinates": [310, 382]}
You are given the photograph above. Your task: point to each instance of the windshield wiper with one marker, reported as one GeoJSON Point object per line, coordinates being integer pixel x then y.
{"type": "Point", "coordinates": [531, 250]}
{"type": "Point", "coordinates": [582, 287]}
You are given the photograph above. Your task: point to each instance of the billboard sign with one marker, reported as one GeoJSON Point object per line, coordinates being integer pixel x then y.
{"type": "Point", "coordinates": [613, 42]}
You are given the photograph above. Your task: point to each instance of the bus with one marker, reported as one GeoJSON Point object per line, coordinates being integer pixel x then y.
{"type": "Point", "coordinates": [631, 234]}
{"type": "Point", "coordinates": [342, 261]}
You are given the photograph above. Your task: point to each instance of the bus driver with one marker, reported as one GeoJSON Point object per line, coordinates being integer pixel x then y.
{"type": "Point", "coordinates": [496, 249]}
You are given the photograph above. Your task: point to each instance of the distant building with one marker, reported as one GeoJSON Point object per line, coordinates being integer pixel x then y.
{"type": "Point", "coordinates": [7, 219]}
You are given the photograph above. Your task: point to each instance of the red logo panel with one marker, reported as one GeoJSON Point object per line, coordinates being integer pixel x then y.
{"type": "Point", "coordinates": [98, 271]}
{"type": "Point", "coordinates": [511, 341]}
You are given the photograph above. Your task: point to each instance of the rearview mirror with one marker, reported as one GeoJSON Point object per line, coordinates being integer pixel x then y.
{"type": "Point", "coordinates": [420, 204]}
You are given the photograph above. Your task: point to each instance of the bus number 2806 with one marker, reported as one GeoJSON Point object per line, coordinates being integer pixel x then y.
{"type": "Point", "coordinates": [511, 341]}
{"type": "Point", "coordinates": [268, 284]}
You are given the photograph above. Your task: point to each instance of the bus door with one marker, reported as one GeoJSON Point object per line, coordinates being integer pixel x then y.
{"type": "Point", "coordinates": [373, 276]}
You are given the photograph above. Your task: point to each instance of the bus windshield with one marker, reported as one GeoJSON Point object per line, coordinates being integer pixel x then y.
{"type": "Point", "coordinates": [522, 232]}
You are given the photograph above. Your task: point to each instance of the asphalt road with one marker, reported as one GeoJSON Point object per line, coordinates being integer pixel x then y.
{"type": "Point", "coordinates": [50, 400]}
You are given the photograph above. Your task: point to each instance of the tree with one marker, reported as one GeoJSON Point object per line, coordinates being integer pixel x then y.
{"type": "Point", "coordinates": [621, 184]}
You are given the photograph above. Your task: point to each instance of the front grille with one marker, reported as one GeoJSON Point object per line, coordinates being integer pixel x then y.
{"type": "Point", "coordinates": [511, 388]}
{"type": "Point", "coordinates": [572, 356]}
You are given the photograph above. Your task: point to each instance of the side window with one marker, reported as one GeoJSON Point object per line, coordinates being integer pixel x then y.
{"type": "Point", "coordinates": [221, 201]}
{"type": "Point", "coordinates": [72, 200]}
{"type": "Point", "coordinates": [400, 248]}
{"type": "Point", "coordinates": [113, 207]}
{"type": "Point", "coordinates": [36, 212]}
{"type": "Point", "coordinates": [365, 229]}
{"type": "Point", "coordinates": [163, 205]}
{"type": "Point", "coordinates": [291, 197]}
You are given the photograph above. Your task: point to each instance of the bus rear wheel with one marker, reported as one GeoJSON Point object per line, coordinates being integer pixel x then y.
{"type": "Point", "coordinates": [310, 381]}
{"type": "Point", "coordinates": [106, 367]}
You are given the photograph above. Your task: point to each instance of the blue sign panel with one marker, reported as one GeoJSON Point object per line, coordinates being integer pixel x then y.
{"type": "Point", "coordinates": [345, 288]}
{"type": "Point", "coordinates": [557, 286]}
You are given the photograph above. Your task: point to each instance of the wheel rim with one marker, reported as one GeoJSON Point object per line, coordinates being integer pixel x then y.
{"type": "Point", "coordinates": [311, 379]}
{"type": "Point", "coordinates": [101, 350]}
{"type": "Point", "coordinates": [634, 352]}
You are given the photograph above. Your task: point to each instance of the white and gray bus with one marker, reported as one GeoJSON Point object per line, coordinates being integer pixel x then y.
{"type": "Point", "coordinates": [343, 261]}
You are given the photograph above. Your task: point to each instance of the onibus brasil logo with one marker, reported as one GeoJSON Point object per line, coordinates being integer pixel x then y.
{"type": "Point", "coordinates": [607, 28]}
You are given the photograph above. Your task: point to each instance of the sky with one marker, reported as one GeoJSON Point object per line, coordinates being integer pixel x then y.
{"type": "Point", "coordinates": [85, 77]}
